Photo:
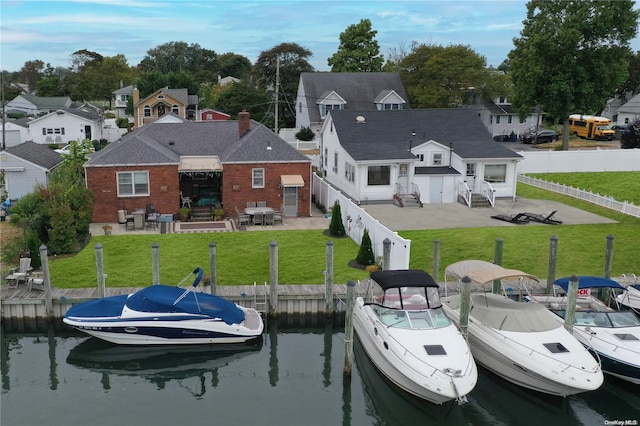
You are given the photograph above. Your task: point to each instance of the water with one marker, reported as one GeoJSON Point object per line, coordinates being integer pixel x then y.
{"type": "Point", "coordinates": [293, 376]}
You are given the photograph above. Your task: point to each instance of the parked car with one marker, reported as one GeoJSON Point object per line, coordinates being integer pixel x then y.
{"type": "Point", "coordinates": [544, 136]}
{"type": "Point", "coordinates": [619, 129]}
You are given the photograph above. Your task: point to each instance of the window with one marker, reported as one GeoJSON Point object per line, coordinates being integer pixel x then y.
{"type": "Point", "coordinates": [335, 162]}
{"type": "Point", "coordinates": [349, 172]}
{"type": "Point", "coordinates": [147, 111]}
{"type": "Point", "coordinates": [420, 157]}
{"type": "Point", "coordinates": [300, 107]}
{"type": "Point", "coordinates": [133, 184]}
{"type": "Point", "coordinates": [175, 109]}
{"type": "Point", "coordinates": [471, 169]}
{"type": "Point", "coordinates": [324, 109]}
{"type": "Point", "coordinates": [57, 131]}
{"type": "Point", "coordinates": [379, 175]}
{"type": "Point", "coordinates": [495, 173]}
{"type": "Point", "coordinates": [391, 106]}
{"type": "Point", "coordinates": [123, 98]}
{"type": "Point", "coordinates": [436, 160]}
{"type": "Point", "coordinates": [497, 119]}
{"type": "Point", "coordinates": [258, 178]}
{"type": "Point", "coordinates": [509, 118]}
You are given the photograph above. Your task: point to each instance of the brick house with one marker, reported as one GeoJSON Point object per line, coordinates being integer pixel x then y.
{"type": "Point", "coordinates": [215, 163]}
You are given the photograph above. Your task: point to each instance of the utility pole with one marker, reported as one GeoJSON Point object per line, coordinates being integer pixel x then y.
{"type": "Point", "coordinates": [277, 90]}
{"type": "Point", "coordinates": [4, 143]}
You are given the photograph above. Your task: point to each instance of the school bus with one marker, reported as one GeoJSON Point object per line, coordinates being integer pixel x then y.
{"type": "Point", "coordinates": [591, 127]}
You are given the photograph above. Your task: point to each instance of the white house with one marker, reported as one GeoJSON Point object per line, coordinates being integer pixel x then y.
{"type": "Point", "coordinates": [436, 155]}
{"type": "Point", "coordinates": [501, 119]}
{"type": "Point", "coordinates": [66, 125]}
{"type": "Point", "coordinates": [629, 111]}
{"type": "Point", "coordinates": [27, 165]}
{"type": "Point", "coordinates": [15, 132]}
{"type": "Point", "coordinates": [35, 105]}
{"type": "Point", "coordinates": [121, 100]}
{"type": "Point", "coordinates": [322, 92]}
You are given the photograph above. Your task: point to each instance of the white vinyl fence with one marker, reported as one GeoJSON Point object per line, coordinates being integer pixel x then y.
{"type": "Point", "coordinates": [356, 219]}
{"type": "Point", "coordinates": [581, 194]}
{"type": "Point", "coordinates": [587, 160]}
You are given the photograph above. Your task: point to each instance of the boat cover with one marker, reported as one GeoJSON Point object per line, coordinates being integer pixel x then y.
{"type": "Point", "coordinates": [99, 308]}
{"type": "Point", "coordinates": [588, 282]}
{"type": "Point", "coordinates": [502, 313]}
{"type": "Point", "coordinates": [403, 278]}
{"type": "Point", "coordinates": [482, 272]}
{"type": "Point", "coordinates": [161, 298]}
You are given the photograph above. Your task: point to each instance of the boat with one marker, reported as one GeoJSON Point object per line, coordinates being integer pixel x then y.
{"type": "Point", "coordinates": [630, 298]}
{"type": "Point", "coordinates": [406, 335]}
{"type": "Point", "coordinates": [611, 334]}
{"type": "Point", "coordinates": [165, 315]}
{"type": "Point", "coordinates": [521, 342]}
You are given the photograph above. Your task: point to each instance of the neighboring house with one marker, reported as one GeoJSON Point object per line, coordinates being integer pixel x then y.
{"type": "Point", "coordinates": [161, 102]}
{"type": "Point", "coordinates": [227, 80]}
{"type": "Point", "coordinates": [22, 87]}
{"type": "Point", "coordinates": [66, 124]}
{"type": "Point", "coordinates": [35, 105]}
{"type": "Point", "coordinates": [121, 100]}
{"type": "Point", "coordinates": [15, 132]}
{"type": "Point", "coordinates": [629, 111]}
{"type": "Point", "coordinates": [207, 114]}
{"type": "Point", "coordinates": [436, 155]}
{"type": "Point", "coordinates": [501, 119]}
{"type": "Point", "coordinates": [321, 92]}
{"type": "Point", "coordinates": [25, 166]}
{"type": "Point", "coordinates": [215, 163]}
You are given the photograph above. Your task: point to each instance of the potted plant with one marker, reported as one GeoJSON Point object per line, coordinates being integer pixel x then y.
{"type": "Point", "coordinates": [107, 229]}
{"type": "Point", "coordinates": [218, 213]}
{"type": "Point", "coordinates": [184, 214]}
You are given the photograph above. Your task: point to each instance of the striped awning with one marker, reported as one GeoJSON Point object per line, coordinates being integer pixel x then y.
{"type": "Point", "coordinates": [291, 180]}
{"type": "Point", "coordinates": [202, 164]}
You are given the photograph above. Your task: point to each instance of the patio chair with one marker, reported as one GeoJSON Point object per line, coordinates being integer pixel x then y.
{"type": "Point", "coordinates": [278, 217]}
{"type": "Point", "coordinates": [258, 219]}
{"type": "Point", "coordinates": [185, 201]}
{"type": "Point", "coordinates": [36, 282]}
{"type": "Point", "coordinates": [129, 220]}
{"type": "Point", "coordinates": [268, 218]}
{"type": "Point", "coordinates": [20, 273]}
{"type": "Point", "coordinates": [518, 219]}
{"type": "Point", "coordinates": [243, 219]}
{"type": "Point", "coordinates": [261, 204]}
{"type": "Point", "coordinates": [251, 204]}
{"type": "Point", "coordinates": [547, 219]}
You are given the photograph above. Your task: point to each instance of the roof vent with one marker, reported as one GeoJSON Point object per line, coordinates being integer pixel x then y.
{"type": "Point", "coordinates": [172, 143]}
{"type": "Point", "coordinates": [360, 119]}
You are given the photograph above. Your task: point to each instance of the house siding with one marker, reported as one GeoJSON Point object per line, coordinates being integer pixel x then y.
{"type": "Point", "coordinates": [21, 183]}
{"type": "Point", "coordinates": [164, 192]}
{"type": "Point", "coordinates": [237, 189]}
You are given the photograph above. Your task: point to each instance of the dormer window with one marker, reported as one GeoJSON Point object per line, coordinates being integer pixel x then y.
{"type": "Point", "coordinates": [328, 102]}
{"type": "Point", "coordinates": [324, 109]}
{"type": "Point", "coordinates": [160, 96]}
{"type": "Point", "coordinates": [392, 106]}
{"type": "Point", "coordinates": [147, 111]}
{"type": "Point", "coordinates": [388, 100]}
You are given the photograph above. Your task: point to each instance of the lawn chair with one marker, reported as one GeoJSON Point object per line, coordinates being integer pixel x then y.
{"type": "Point", "coordinates": [261, 204]}
{"type": "Point", "coordinates": [20, 273]}
{"type": "Point", "coordinates": [543, 219]}
{"type": "Point", "coordinates": [243, 219]}
{"type": "Point", "coordinates": [258, 218]}
{"type": "Point", "coordinates": [185, 201]}
{"type": "Point", "coordinates": [129, 220]}
{"type": "Point", "coordinates": [278, 217]}
{"type": "Point", "coordinates": [518, 219]}
{"type": "Point", "coordinates": [269, 218]}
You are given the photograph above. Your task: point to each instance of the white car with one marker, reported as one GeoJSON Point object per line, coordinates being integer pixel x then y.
{"type": "Point", "coordinates": [67, 149]}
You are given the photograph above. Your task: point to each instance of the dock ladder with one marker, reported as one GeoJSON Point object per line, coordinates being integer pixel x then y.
{"type": "Point", "coordinates": [260, 302]}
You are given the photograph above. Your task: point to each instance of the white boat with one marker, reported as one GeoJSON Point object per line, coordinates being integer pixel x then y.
{"type": "Point", "coordinates": [520, 342]}
{"type": "Point", "coordinates": [612, 335]}
{"type": "Point", "coordinates": [630, 298]}
{"type": "Point", "coordinates": [166, 315]}
{"type": "Point", "coordinates": [408, 337]}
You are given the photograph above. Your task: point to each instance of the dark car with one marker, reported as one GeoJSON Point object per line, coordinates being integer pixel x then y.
{"type": "Point", "coordinates": [544, 136]}
{"type": "Point", "coordinates": [619, 129]}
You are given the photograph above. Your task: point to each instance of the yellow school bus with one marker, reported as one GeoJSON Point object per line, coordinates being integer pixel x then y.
{"type": "Point", "coordinates": [591, 127]}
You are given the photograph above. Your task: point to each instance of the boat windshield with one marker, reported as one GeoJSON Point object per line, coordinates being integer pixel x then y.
{"type": "Point", "coordinates": [423, 319]}
{"type": "Point", "coordinates": [616, 319]}
{"type": "Point", "coordinates": [410, 298]}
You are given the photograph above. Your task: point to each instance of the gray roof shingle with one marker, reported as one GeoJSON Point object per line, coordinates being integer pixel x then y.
{"type": "Point", "coordinates": [387, 135]}
{"type": "Point", "coordinates": [36, 153]}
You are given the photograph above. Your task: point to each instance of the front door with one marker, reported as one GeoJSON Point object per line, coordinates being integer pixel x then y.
{"type": "Point", "coordinates": [290, 201]}
{"type": "Point", "coordinates": [435, 190]}
{"type": "Point", "coordinates": [471, 176]}
{"type": "Point", "coordinates": [403, 179]}
{"type": "Point", "coordinates": [87, 132]}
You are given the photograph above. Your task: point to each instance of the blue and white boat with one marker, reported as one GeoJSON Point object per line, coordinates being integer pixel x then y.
{"type": "Point", "coordinates": [166, 315]}
{"type": "Point", "coordinates": [611, 335]}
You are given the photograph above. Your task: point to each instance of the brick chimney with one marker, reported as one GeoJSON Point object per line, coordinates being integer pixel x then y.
{"type": "Point", "coordinates": [244, 122]}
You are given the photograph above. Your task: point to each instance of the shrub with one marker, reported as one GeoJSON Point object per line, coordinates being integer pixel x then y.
{"type": "Point", "coordinates": [365, 254]}
{"type": "Point", "coordinates": [336, 227]}
{"type": "Point", "coordinates": [122, 122]}
{"type": "Point", "coordinates": [305, 134]}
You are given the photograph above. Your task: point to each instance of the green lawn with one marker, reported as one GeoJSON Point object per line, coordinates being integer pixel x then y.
{"type": "Point", "coordinates": [243, 257]}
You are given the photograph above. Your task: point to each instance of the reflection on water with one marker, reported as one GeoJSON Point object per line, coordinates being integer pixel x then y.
{"type": "Point", "coordinates": [291, 376]}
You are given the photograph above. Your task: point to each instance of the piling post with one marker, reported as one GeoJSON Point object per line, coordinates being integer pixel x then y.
{"type": "Point", "coordinates": [572, 296]}
{"type": "Point", "coordinates": [553, 260]}
{"type": "Point", "coordinates": [435, 273]}
{"type": "Point", "coordinates": [608, 260]}
{"type": "Point", "coordinates": [348, 329]}
{"type": "Point", "coordinates": [328, 280]}
{"type": "Point", "coordinates": [465, 302]}
{"type": "Point", "coordinates": [497, 259]}
{"type": "Point", "coordinates": [48, 299]}
{"type": "Point", "coordinates": [100, 270]}
{"type": "Point", "coordinates": [386, 254]}
{"type": "Point", "coordinates": [213, 261]}
{"type": "Point", "coordinates": [155, 263]}
{"type": "Point", "coordinates": [273, 267]}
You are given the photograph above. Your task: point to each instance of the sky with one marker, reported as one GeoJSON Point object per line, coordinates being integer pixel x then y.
{"type": "Point", "coordinates": [52, 30]}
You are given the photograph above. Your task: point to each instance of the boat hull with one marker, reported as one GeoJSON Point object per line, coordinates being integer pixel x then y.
{"type": "Point", "coordinates": [508, 356]}
{"type": "Point", "coordinates": [406, 369]}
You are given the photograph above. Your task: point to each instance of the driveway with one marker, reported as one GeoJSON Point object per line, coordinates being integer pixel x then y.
{"type": "Point", "coordinates": [456, 215]}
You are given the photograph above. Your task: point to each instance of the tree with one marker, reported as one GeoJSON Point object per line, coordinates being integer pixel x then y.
{"type": "Point", "coordinates": [632, 84]}
{"type": "Point", "coordinates": [178, 57]}
{"type": "Point", "coordinates": [365, 253]}
{"type": "Point", "coordinates": [441, 77]}
{"type": "Point", "coordinates": [571, 56]}
{"type": "Point", "coordinates": [336, 227]}
{"type": "Point", "coordinates": [358, 50]}
{"type": "Point", "coordinates": [31, 72]}
{"type": "Point", "coordinates": [292, 61]}
{"type": "Point", "coordinates": [233, 65]}
{"type": "Point", "coordinates": [239, 96]}
{"type": "Point", "coordinates": [154, 80]}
